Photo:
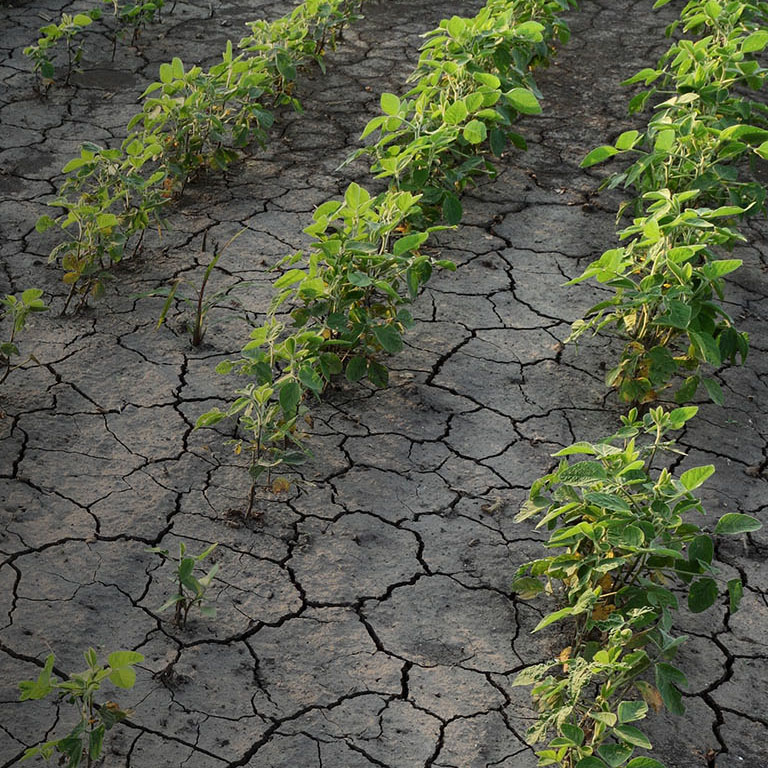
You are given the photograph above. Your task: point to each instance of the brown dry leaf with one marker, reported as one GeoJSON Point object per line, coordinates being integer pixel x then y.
{"type": "Point", "coordinates": [606, 582]}
{"type": "Point", "coordinates": [603, 611]}
{"type": "Point", "coordinates": [650, 695]}
{"type": "Point", "coordinates": [280, 485]}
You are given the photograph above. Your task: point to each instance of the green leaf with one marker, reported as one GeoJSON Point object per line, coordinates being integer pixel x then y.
{"type": "Point", "coordinates": [609, 718]}
{"type": "Point", "coordinates": [735, 593]}
{"type": "Point", "coordinates": [703, 595]}
{"type": "Point", "coordinates": [553, 617]}
{"type": "Point", "coordinates": [360, 279]}
{"type": "Point", "coordinates": [330, 362]}
{"type": "Point", "coordinates": [733, 523]}
{"type": "Point", "coordinates": [701, 548]}
{"type": "Point", "coordinates": [40, 688]}
{"type": "Point", "coordinates": [452, 210]}
{"type": "Point", "coordinates": [356, 368]}
{"type": "Point", "coordinates": [456, 113]}
{"type": "Point", "coordinates": [498, 141]}
{"type": "Point", "coordinates": [633, 736]}
{"type": "Point", "coordinates": [573, 733]}
{"type": "Point", "coordinates": [590, 762]}
{"type": "Point", "coordinates": [390, 104]}
{"type": "Point", "coordinates": [106, 220]}
{"type": "Point", "coordinates": [598, 155]}
{"type": "Point", "coordinates": [687, 390]}
{"type": "Point", "coordinates": [119, 659]}
{"type": "Point", "coordinates": [693, 478]}
{"type": "Point", "coordinates": [310, 378]}
{"type": "Point", "coordinates": [720, 267]}
{"type": "Point", "coordinates": [667, 677]}
{"type": "Point", "coordinates": [44, 223]}
{"type": "Point", "coordinates": [705, 347]}
{"type": "Point", "coordinates": [455, 26]}
{"type": "Point", "coordinates": [678, 315]}
{"type": "Point", "coordinates": [210, 418]}
{"type": "Point", "coordinates": [627, 140]}
{"type": "Point", "coordinates": [409, 243]}
{"type": "Point", "coordinates": [714, 390]}
{"type": "Point", "coordinates": [580, 447]}
{"type": "Point", "coordinates": [287, 278]}
{"type": "Point", "coordinates": [582, 473]}
{"type": "Point", "coordinates": [285, 66]}
{"type": "Point", "coordinates": [665, 140]}
{"type": "Point", "coordinates": [290, 396]}
{"type": "Point", "coordinates": [647, 762]}
{"type": "Point", "coordinates": [526, 587]}
{"type": "Point", "coordinates": [615, 754]}
{"type": "Point", "coordinates": [355, 196]}
{"type": "Point", "coordinates": [123, 677]}
{"type": "Point", "coordinates": [378, 375]}
{"type": "Point", "coordinates": [755, 42]}
{"type": "Point", "coordinates": [95, 741]}
{"type": "Point", "coordinates": [631, 536]}
{"type": "Point", "coordinates": [523, 101]}
{"type": "Point", "coordinates": [372, 125]}
{"type": "Point", "coordinates": [475, 132]}
{"type": "Point", "coordinates": [607, 501]}
{"type": "Point", "coordinates": [389, 338]}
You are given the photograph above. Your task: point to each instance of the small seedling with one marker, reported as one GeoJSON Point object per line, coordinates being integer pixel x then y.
{"type": "Point", "coordinates": [191, 590]}
{"type": "Point", "coordinates": [67, 29]}
{"type": "Point", "coordinates": [17, 310]}
{"type": "Point", "coordinates": [268, 415]}
{"type": "Point", "coordinates": [83, 744]}
{"type": "Point", "coordinates": [196, 299]}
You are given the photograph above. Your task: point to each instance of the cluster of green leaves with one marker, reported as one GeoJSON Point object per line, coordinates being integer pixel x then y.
{"type": "Point", "coordinates": [302, 36]}
{"type": "Point", "coordinates": [666, 279]}
{"type": "Point", "coordinates": [134, 16]}
{"type": "Point", "coordinates": [202, 117]}
{"type": "Point", "coordinates": [16, 310]}
{"type": "Point", "coordinates": [472, 82]}
{"type": "Point", "coordinates": [83, 744]}
{"type": "Point", "coordinates": [131, 15]}
{"type": "Point", "coordinates": [364, 265]}
{"type": "Point", "coordinates": [625, 550]}
{"type": "Point", "coordinates": [349, 299]}
{"type": "Point", "coordinates": [190, 119]}
{"type": "Point", "coordinates": [67, 31]}
{"type": "Point", "coordinates": [190, 589]}
{"type": "Point", "coordinates": [109, 198]}
{"type": "Point", "coordinates": [689, 168]}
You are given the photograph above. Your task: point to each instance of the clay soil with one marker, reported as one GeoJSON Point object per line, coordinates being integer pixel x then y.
{"type": "Point", "coordinates": [365, 617]}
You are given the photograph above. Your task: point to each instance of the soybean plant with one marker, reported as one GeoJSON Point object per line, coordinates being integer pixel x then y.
{"type": "Point", "coordinates": [17, 310]}
{"type": "Point", "coordinates": [83, 744]}
{"type": "Point", "coordinates": [191, 590]}
{"type": "Point", "coordinates": [624, 536]}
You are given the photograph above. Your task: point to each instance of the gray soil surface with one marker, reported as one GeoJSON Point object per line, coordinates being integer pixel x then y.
{"type": "Point", "coordinates": [365, 616]}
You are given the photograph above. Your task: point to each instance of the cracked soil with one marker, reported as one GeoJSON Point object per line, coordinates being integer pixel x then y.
{"type": "Point", "coordinates": [365, 616]}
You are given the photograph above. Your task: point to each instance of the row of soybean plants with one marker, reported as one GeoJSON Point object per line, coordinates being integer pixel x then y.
{"type": "Point", "coordinates": [191, 119]}
{"type": "Point", "coordinates": [619, 519]}
{"type": "Point", "coordinates": [15, 309]}
{"type": "Point", "coordinates": [338, 308]}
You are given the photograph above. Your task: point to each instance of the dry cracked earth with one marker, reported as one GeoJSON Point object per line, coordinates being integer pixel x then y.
{"type": "Point", "coordinates": [365, 617]}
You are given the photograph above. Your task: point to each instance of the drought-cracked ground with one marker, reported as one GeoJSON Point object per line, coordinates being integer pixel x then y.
{"type": "Point", "coordinates": [365, 616]}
